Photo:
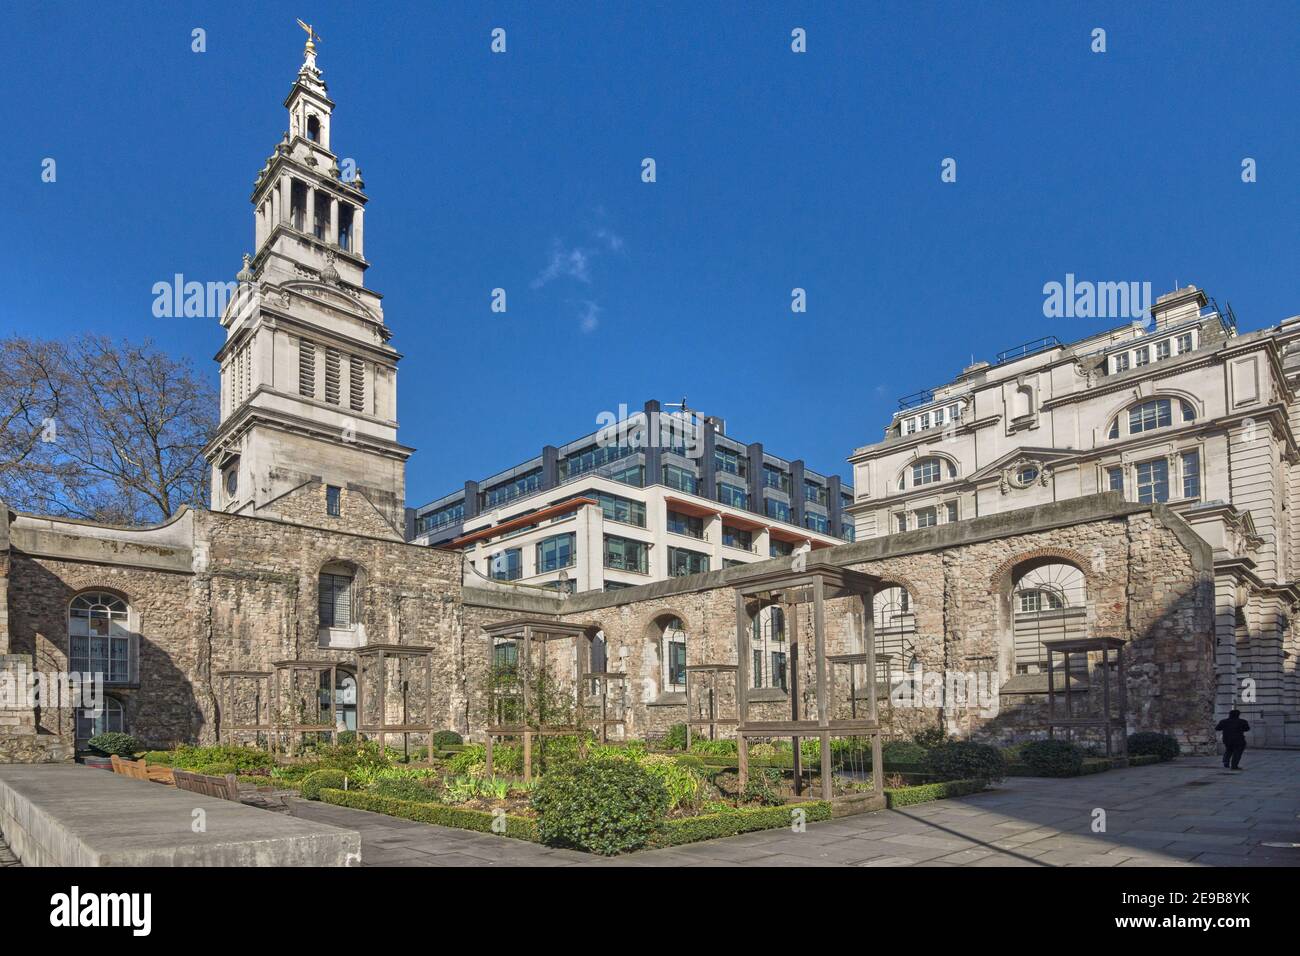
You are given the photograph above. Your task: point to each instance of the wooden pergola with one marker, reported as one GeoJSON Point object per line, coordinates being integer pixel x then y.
{"type": "Point", "coordinates": [525, 632]}
{"type": "Point", "coordinates": [374, 659]}
{"type": "Point", "coordinates": [1108, 722]}
{"type": "Point", "coordinates": [809, 581]}
{"type": "Point", "coordinates": [709, 698]}
{"type": "Point", "coordinates": [293, 670]}
{"type": "Point", "coordinates": [228, 683]}
{"type": "Point", "coordinates": [608, 698]}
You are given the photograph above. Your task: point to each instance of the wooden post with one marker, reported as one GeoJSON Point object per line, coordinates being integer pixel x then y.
{"type": "Point", "coordinates": [873, 713]}
{"type": "Point", "coordinates": [528, 754]}
{"type": "Point", "coordinates": [488, 756]}
{"type": "Point", "coordinates": [742, 695]}
{"type": "Point", "coordinates": [793, 620]}
{"type": "Point", "coordinates": [1105, 694]}
{"type": "Point", "coordinates": [823, 714]}
{"type": "Point", "coordinates": [1123, 700]}
{"type": "Point", "coordinates": [1051, 694]}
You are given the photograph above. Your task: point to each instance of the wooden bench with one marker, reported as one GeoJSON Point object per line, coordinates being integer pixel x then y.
{"type": "Point", "coordinates": [135, 769]}
{"type": "Point", "coordinates": [227, 787]}
{"type": "Point", "coordinates": [139, 770]}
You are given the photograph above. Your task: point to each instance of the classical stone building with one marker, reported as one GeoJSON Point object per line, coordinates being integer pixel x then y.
{"type": "Point", "coordinates": [1182, 410]}
{"type": "Point", "coordinates": [299, 575]}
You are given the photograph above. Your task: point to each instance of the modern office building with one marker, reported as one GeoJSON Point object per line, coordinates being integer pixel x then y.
{"type": "Point", "coordinates": [1182, 410]}
{"type": "Point", "coordinates": [620, 507]}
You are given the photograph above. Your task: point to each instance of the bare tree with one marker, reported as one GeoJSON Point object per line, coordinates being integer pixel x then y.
{"type": "Point", "coordinates": [111, 432]}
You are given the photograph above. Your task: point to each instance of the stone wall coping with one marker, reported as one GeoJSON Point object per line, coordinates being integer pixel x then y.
{"type": "Point", "coordinates": [1106, 506]}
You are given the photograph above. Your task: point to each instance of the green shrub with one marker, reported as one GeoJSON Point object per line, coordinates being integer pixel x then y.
{"type": "Point", "coordinates": [444, 738]}
{"type": "Point", "coordinates": [243, 758]}
{"type": "Point", "coordinates": [217, 769]}
{"type": "Point", "coordinates": [964, 760]}
{"type": "Point", "coordinates": [160, 757]}
{"type": "Point", "coordinates": [691, 762]}
{"type": "Point", "coordinates": [761, 789]}
{"type": "Point", "coordinates": [762, 752]}
{"type": "Point", "coordinates": [682, 783]}
{"type": "Point", "coordinates": [903, 752]}
{"type": "Point", "coordinates": [319, 780]}
{"type": "Point", "coordinates": [346, 738]}
{"type": "Point", "coordinates": [1052, 758]}
{"type": "Point", "coordinates": [351, 758]}
{"type": "Point", "coordinates": [520, 828]}
{"type": "Point", "coordinates": [930, 738]}
{"type": "Point", "coordinates": [606, 807]}
{"type": "Point", "coordinates": [675, 739]}
{"type": "Point", "coordinates": [123, 745]}
{"type": "Point", "coordinates": [1161, 745]}
{"type": "Point", "coordinates": [405, 788]}
{"type": "Point", "coordinates": [1142, 760]}
{"type": "Point", "coordinates": [507, 759]}
{"type": "Point", "coordinates": [924, 793]}
{"type": "Point", "coordinates": [729, 821]}
{"type": "Point", "coordinates": [713, 748]}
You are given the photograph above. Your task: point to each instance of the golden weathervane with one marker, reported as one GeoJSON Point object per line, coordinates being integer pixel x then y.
{"type": "Point", "coordinates": [312, 35]}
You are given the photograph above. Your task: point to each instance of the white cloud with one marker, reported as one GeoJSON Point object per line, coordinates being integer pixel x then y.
{"type": "Point", "coordinates": [589, 317]}
{"type": "Point", "coordinates": [571, 263]}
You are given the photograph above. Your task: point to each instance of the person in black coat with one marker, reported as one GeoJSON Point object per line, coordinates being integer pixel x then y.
{"type": "Point", "coordinates": [1234, 730]}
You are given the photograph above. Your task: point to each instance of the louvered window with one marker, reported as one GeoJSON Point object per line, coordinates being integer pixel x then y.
{"type": "Point", "coordinates": [332, 376]}
{"type": "Point", "coordinates": [306, 368]}
{"type": "Point", "coordinates": [357, 384]}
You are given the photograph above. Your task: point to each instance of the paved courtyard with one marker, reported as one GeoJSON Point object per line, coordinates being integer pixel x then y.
{"type": "Point", "coordinates": [1189, 812]}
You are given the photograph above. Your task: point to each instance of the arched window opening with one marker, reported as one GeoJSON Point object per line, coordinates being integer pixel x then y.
{"type": "Point", "coordinates": [99, 641]}
{"type": "Point", "coordinates": [674, 655]}
{"type": "Point", "coordinates": [104, 719]}
{"type": "Point", "coordinates": [895, 627]}
{"type": "Point", "coordinates": [313, 129]}
{"type": "Point", "coordinates": [1151, 415]}
{"type": "Point", "coordinates": [337, 587]}
{"type": "Point", "coordinates": [345, 699]}
{"type": "Point", "coordinates": [770, 651]}
{"type": "Point", "coordinates": [1049, 603]}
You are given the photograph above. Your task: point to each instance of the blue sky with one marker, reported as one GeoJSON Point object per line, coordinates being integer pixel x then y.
{"type": "Point", "coordinates": [775, 170]}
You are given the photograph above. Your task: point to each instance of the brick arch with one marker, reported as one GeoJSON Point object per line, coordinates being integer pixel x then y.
{"type": "Point", "coordinates": [1001, 575]}
{"type": "Point", "coordinates": [652, 630]}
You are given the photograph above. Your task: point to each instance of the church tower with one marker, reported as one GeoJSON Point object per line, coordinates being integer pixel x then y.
{"type": "Point", "coordinates": [308, 379]}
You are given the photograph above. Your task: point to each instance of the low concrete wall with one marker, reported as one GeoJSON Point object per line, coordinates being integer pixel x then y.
{"type": "Point", "coordinates": [75, 816]}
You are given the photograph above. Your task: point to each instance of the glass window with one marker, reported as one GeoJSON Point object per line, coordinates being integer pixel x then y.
{"type": "Point", "coordinates": [1121, 362]}
{"type": "Point", "coordinates": [98, 639]}
{"type": "Point", "coordinates": [774, 477]}
{"type": "Point", "coordinates": [681, 561]}
{"type": "Point", "coordinates": [446, 515]}
{"type": "Point", "coordinates": [1189, 413]}
{"type": "Point", "coordinates": [1184, 343]}
{"type": "Point", "coordinates": [335, 600]}
{"type": "Point", "coordinates": [900, 522]}
{"type": "Point", "coordinates": [737, 538]}
{"type": "Point", "coordinates": [679, 478]}
{"type": "Point", "coordinates": [1162, 350]}
{"type": "Point", "coordinates": [616, 508]}
{"type": "Point", "coordinates": [1191, 474]}
{"type": "Point", "coordinates": [777, 509]}
{"type": "Point", "coordinates": [814, 492]}
{"type": "Point", "coordinates": [1115, 479]}
{"type": "Point", "coordinates": [779, 549]}
{"type": "Point", "coordinates": [633, 475]}
{"type": "Point", "coordinates": [1153, 480]}
{"type": "Point", "coordinates": [733, 495]}
{"type": "Point", "coordinates": [515, 488]}
{"type": "Point", "coordinates": [591, 457]}
{"type": "Point", "coordinates": [507, 565]}
{"type": "Point", "coordinates": [555, 553]}
{"type": "Point", "coordinates": [675, 655]}
{"type": "Point", "coordinates": [624, 554]}
{"type": "Point", "coordinates": [847, 531]}
{"type": "Point", "coordinates": [333, 502]}
{"type": "Point", "coordinates": [950, 509]}
{"type": "Point", "coordinates": [105, 719]}
{"type": "Point", "coordinates": [731, 462]}
{"type": "Point", "coordinates": [925, 471]}
{"type": "Point", "coordinates": [679, 523]}
{"type": "Point", "coordinates": [1149, 415]}
{"type": "Point", "coordinates": [926, 518]}
{"type": "Point", "coordinates": [1027, 474]}
{"type": "Point", "coordinates": [816, 522]}
{"type": "Point", "coordinates": [1142, 357]}
{"type": "Point", "coordinates": [1114, 428]}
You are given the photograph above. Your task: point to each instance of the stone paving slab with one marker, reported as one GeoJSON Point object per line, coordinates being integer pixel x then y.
{"type": "Point", "coordinates": [1154, 818]}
